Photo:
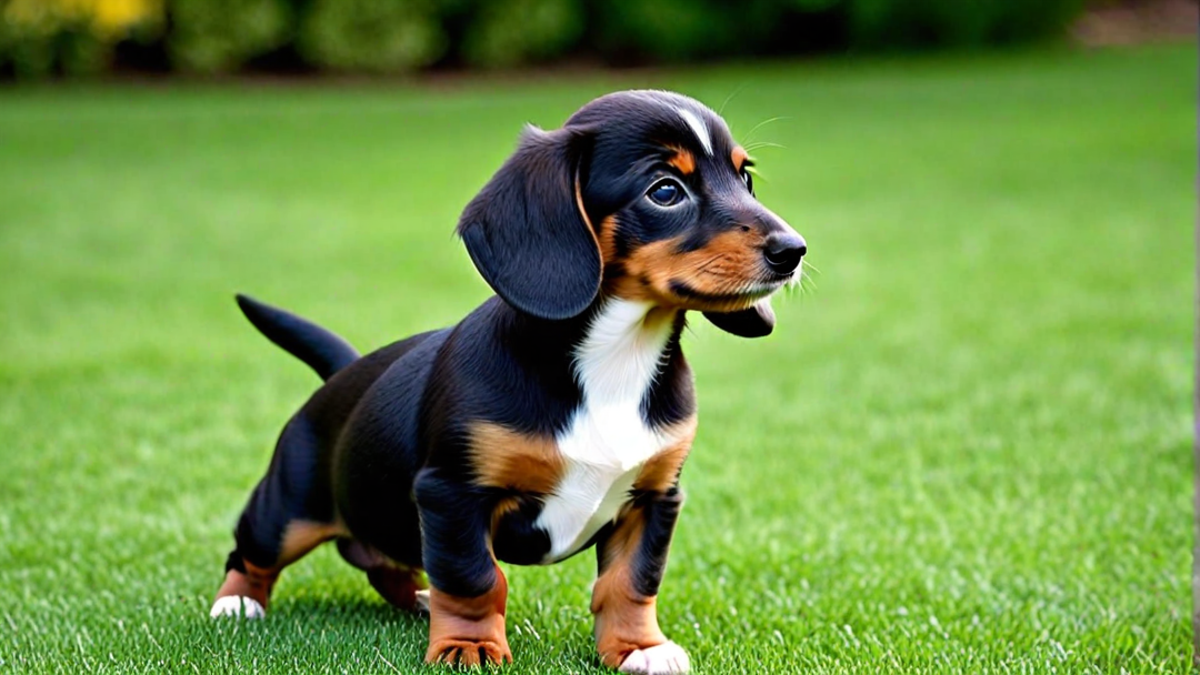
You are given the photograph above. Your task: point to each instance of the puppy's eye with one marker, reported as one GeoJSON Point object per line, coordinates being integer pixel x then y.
{"type": "Point", "coordinates": [748, 180]}
{"type": "Point", "coordinates": [666, 193]}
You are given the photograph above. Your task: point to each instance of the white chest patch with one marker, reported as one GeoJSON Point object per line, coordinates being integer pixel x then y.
{"type": "Point", "coordinates": [607, 442]}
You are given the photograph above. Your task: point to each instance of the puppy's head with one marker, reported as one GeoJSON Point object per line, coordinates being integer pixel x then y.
{"type": "Point", "coordinates": [642, 195]}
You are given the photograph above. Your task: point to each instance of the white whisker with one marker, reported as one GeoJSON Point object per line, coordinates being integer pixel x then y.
{"type": "Point", "coordinates": [721, 110]}
{"type": "Point", "coordinates": [763, 124]}
{"type": "Point", "coordinates": [750, 147]}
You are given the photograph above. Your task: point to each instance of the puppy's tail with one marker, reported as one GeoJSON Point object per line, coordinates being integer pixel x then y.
{"type": "Point", "coordinates": [323, 351]}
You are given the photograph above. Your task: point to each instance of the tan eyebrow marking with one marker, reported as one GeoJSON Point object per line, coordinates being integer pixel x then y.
{"type": "Point", "coordinates": [682, 160]}
{"type": "Point", "coordinates": [739, 157]}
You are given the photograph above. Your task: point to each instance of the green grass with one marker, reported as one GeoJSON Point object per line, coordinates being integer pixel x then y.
{"type": "Point", "coordinates": [965, 449]}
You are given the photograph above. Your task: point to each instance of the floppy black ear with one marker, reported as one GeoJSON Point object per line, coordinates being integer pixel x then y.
{"type": "Point", "coordinates": [526, 231]}
{"type": "Point", "coordinates": [756, 321]}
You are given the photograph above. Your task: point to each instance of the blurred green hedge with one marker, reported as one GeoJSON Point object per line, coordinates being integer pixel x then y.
{"type": "Point", "coordinates": [72, 37]}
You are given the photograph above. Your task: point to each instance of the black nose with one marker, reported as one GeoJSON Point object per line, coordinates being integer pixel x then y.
{"type": "Point", "coordinates": [784, 251]}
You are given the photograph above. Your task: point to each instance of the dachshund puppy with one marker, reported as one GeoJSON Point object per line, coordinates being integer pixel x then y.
{"type": "Point", "coordinates": [556, 416]}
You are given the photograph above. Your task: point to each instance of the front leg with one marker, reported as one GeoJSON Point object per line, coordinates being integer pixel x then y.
{"type": "Point", "coordinates": [632, 556]}
{"type": "Point", "coordinates": [468, 592]}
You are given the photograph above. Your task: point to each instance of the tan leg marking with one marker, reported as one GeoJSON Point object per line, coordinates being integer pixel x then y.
{"type": "Point", "coordinates": [469, 631]}
{"type": "Point", "coordinates": [398, 584]}
{"type": "Point", "coordinates": [661, 471]}
{"type": "Point", "coordinates": [300, 537]}
{"type": "Point", "coordinates": [255, 584]}
{"type": "Point", "coordinates": [626, 621]}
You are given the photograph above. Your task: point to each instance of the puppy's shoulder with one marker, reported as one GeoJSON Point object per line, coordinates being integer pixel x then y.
{"type": "Point", "coordinates": [505, 367]}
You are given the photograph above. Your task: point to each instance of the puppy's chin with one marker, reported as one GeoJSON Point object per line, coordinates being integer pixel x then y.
{"type": "Point", "coordinates": [726, 306]}
{"type": "Point", "coordinates": [759, 293]}
{"type": "Point", "coordinates": [722, 297]}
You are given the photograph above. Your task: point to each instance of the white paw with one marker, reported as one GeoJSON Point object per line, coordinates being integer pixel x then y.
{"type": "Point", "coordinates": [237, 605]}
{"type": "Point", "coordinates": [422, 603]}
{"type": "Point", "coordinates": [665, 659]}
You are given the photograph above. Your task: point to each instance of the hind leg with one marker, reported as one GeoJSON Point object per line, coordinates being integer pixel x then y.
{"type": "Point", "coordinates": [401, 585]}
{"type": "Point", "coordinates": [288, 514]}
{"type": "Point", "coordinates": [246, 590]}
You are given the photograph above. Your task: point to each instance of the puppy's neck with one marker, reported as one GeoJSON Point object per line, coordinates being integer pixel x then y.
{"type": "Point", "coordinates": [623, 349]}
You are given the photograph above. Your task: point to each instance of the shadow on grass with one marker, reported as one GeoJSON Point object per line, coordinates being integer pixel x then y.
{"type": "Point", "coordinates": [362, 633]}
{"type": "Point", "coordinates": [371, 634]}
{"type": "Point", "coordinates": [350, 610]}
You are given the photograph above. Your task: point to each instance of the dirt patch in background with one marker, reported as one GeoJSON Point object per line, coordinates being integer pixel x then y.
{"type": "Point", "coordinates": [1126, 22]}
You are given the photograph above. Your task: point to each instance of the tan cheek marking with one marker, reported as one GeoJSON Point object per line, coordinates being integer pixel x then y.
{"type": "Point", "coordinates": [625, 620]}
{"type": "Point", "coordinates": [726, 265]}
{"type": "Point", "coordinates": [739, 157]}
{"type": "Point", "coordinates": [631, 284]}
{"type": "Point", "coordinates": [642, 266]}
{"type": "Point", "coordinates": [683, 160]}
{"type": "Point", "coordinates": [723, 265]}
{"type": "Point", "coordinates": [508, 459]}
{"type": "Point", "coordinates": [661, 472]}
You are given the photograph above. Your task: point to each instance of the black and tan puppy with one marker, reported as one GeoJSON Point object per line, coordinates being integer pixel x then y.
{"type": "Point", "coordinates": [557, 415]}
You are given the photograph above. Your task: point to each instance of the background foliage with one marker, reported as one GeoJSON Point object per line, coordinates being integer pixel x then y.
{"type": "Point", "coordinates": [46, 37]}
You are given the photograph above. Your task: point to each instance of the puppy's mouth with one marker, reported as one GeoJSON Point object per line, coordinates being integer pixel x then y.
{"type": "Point", "coordinates": [778, 281]}
{"type": "Point", "coordinates": [737, 298]}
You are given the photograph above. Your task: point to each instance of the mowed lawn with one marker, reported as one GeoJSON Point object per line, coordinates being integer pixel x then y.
{"type": "Point", "coordinates": [965, 449]}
